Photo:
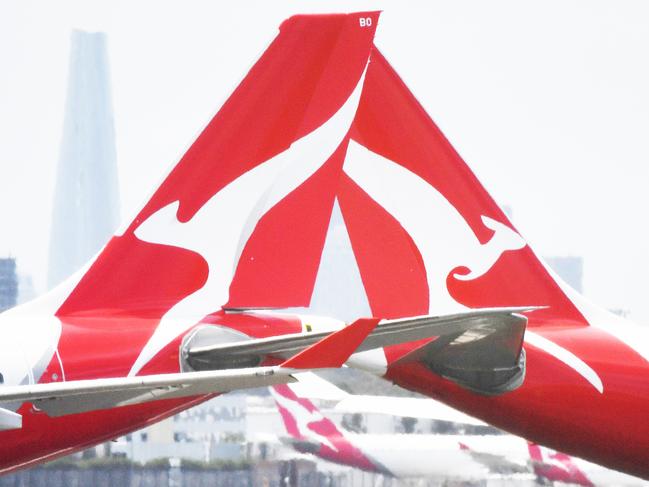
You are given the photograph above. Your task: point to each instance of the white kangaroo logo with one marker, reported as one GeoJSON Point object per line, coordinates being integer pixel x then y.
{"type": "Point", "coordinates": [303, 418]}
{"type": "Point", "coordinates": [443, 237]}
{"type": "Point", "coordinates": [439, 231]}
{"type": "Point", "coordinates": [220, 230]}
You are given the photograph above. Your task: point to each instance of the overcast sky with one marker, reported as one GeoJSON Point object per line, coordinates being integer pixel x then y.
{"type": "Point", "coordinates": [548, 102]}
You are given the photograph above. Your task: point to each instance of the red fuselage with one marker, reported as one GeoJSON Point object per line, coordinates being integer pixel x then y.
{"type": "Point", "coordinates": [557, 407]}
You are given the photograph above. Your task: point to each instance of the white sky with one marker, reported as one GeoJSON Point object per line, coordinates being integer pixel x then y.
{"type": "Point", "coordinates": [548, 102]}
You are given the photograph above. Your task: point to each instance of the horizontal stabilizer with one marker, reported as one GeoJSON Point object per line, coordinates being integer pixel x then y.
{"type": "Point", "coordinates": [488, 328]}
{"type": "Point", "coordinates": [61, 398]}
{"type": "Point", "coordinates": [473, 325]}
{"type": "Point", "coordinates": [488, 359]}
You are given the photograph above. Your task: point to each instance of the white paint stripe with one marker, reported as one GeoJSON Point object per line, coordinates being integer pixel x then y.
{"type": "Point", "coordinates": [439, 231]}
{"type": "Point", "coordinates": [58, 356]}
{"type": "Point", "coordinates": [634, 336]}
{"type": "Point", "coordinates": [567, 357]}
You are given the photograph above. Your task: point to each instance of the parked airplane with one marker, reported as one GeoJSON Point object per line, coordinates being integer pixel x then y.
{"type": "Point", "coordinates": [399, 455]}
{"type": "Point", "coordinates": [393, 455]}
{"type": "Point", "coordinates": [239, 224]}
{"type": "Point", "coordinates": [475, 455]}
{"type": "Point", "coordinates": [167, 314]}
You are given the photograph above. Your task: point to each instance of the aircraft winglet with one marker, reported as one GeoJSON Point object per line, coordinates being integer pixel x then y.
{"type": "Point", "coordinates": [333, 350]}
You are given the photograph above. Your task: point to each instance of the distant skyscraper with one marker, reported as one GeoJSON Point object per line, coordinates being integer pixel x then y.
{"type": "Point", "coordinates": [570, 269]}
{"type": "Point", "coordinates": [26, 290]}
{"type": "Point", "coordinates": [86, 200]}
{"type": "Point", "coordinates": [8, 283]}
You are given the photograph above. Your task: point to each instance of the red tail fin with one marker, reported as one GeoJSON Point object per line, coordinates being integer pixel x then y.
{"type": "Point", "coordinates": [241, 220]}
{"type": "Point", "coordinates": [442, 236]}
{"type": "Point", "coordinates": [312, 432]}
{"type": "Point", "coordinates": [258, 179]}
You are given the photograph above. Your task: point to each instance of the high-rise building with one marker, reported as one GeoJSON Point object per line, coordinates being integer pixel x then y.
{"type": "Point", "coordinates": [86, 202]}
{"type": "Point", "coordinates": [26, 289]}
{"type": "Point", "coordinates": [8, 283]}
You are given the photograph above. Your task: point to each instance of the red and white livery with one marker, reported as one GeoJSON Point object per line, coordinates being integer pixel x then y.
{"type": "Point", "coordinates": [466, 457]}
{"type": "Point", "coordinates": [170, 311]}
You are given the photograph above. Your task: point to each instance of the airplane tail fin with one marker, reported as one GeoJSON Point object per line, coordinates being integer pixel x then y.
{"type": "Point", "coordinates": [312, 432]}
{"type": "Point", "coordinates": [241, 220]}
{"type": "Point", "coordinates": [442, 236]}
{"type": "Point", "coordinates": [258, 179]}
{"type": "Point", "coordinates": [282, 131]}
{"type": "Point", "coordinates": [419, 220]}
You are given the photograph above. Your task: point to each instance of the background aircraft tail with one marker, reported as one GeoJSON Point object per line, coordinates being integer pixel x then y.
{"type": "Point", "coordinates": [312, 432]}
{"type": "Point", "coordinates": [553, 466]}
